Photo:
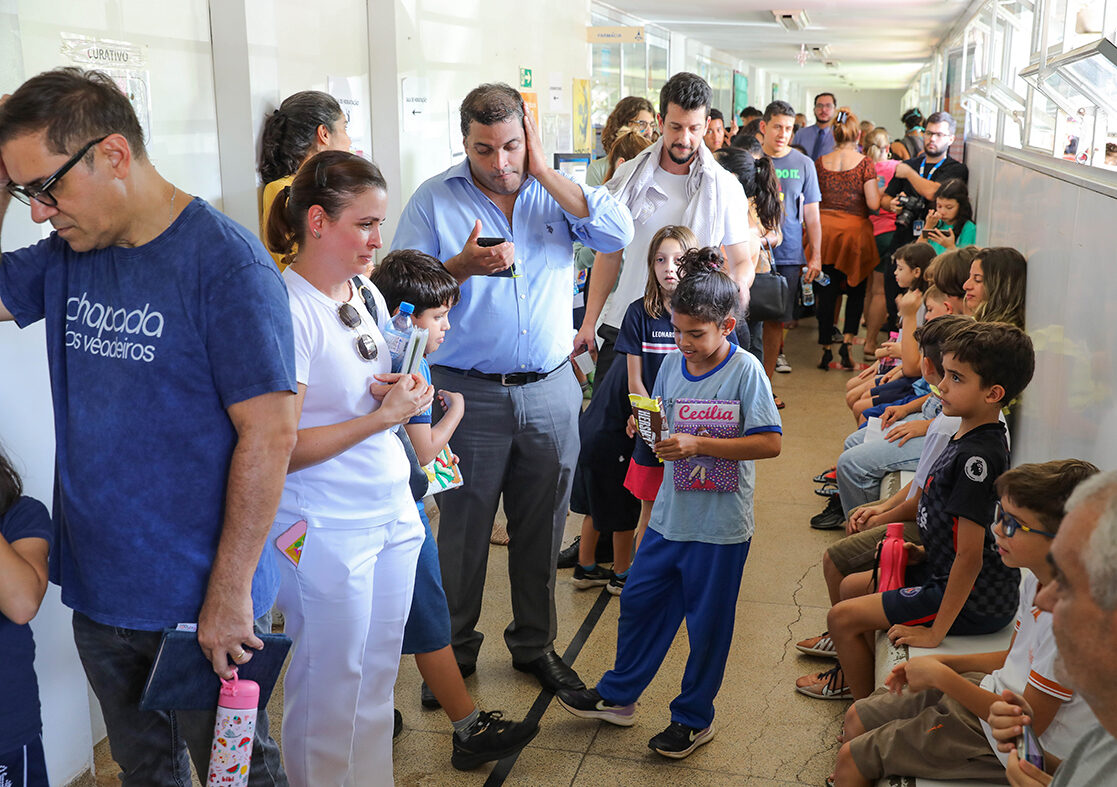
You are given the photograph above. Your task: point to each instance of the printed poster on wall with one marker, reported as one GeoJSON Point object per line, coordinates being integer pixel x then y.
{"type": "Point", "coordinates": [352, 94]}
{"type": "Point", "coordinates": [740, 92]}
{"type": "Point", "coordinates": [531, 104]}
{"type": "Point", "coordinates": [124, 62]}
{"type": "Point", "coordinates": [583, 124]}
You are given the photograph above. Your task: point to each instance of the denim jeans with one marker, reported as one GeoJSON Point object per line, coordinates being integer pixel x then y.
{"type": "Point", "coordinates": [862, 465]}
{"type": "Point", "coordinates": [155, 747]}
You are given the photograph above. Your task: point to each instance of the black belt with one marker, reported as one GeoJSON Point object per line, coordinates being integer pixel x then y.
{"type": "Point", "coordinates": [515, 378]}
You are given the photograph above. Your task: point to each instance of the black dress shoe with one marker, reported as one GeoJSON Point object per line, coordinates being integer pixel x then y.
{"type": "Point", "coordinates": [552, 672]}
{"type": "Point", "coordinates": [397, 723]}
{"type": "Point", "coordinates": [427, 698]}
{"type": "Point", "coordinates": [568, 558]}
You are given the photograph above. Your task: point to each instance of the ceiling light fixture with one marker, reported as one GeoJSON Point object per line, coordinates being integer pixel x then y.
{"type": "Point", "coordinates": [791, 19]}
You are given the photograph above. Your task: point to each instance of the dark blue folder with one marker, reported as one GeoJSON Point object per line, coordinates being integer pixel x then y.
{"type": "Point", "coordinates": [182, 678]}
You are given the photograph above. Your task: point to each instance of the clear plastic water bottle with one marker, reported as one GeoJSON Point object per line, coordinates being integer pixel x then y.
{"type": "Point", "coordinates": [822, 280]}
{"type": "Point", "coordinates": [231, 754]}
{"type": "Point", "coordinates": [806, 289]}
{"type": "Point", "coordinates": [398, 332]}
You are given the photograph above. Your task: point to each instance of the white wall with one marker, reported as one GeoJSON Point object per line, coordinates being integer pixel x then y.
{"type": "Point", "coordinates": [457, 46]}
{"type": "Point", "coordinates": [1065, 230]}
{"type": "Point", "coordinates": [883, 107]}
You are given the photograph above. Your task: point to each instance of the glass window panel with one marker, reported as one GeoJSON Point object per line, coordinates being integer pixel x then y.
{"type": "Point", "coordinates": [1043, 113]}
{"type": "Point", "coordinates": [605, 88]}
{"type": "Point", "coordinates": [1056, 22]}
{"type": "Point", "coordinates": [634, 57]}
{"type": "Point", "coordinates": [657, 72]}
{"type": "Point", "coordinates": [1066, 92]}
{"type": "Point", "coordinates": [1100, 75]}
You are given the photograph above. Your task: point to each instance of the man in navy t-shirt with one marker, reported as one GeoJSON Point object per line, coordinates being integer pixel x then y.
{"type": "Point", "coordinates": [800, 196]}
{"type": "Point", "coordinates": [172, 374]}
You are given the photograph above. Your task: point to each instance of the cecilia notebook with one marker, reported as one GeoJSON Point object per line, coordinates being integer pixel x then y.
{"type": "Point", "coordinates": [707, 418]}
{"type": "Point", "coordinates": [182, 678]}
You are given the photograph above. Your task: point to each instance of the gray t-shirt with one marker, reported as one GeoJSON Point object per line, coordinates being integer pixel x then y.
{"type": "Point", "coordinates": [1091, 763]}
{"type": "Point", "coordinates": [798, 187]}
{"type": "Point", "coordinates": [706, 516]}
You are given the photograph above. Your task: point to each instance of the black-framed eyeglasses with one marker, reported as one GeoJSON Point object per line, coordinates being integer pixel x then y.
{"type": "Point", "coordinates": [1010, 524]}
{"type": "Point", "coordinates": [351, 318]}
{"type": "Point", "coordinates": [41, 193]}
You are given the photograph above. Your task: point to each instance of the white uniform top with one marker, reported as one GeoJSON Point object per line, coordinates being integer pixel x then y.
{"type": "Point", "coordinates": [1031, 661]}
{"type": "Point", "coordinates": [367, 484]}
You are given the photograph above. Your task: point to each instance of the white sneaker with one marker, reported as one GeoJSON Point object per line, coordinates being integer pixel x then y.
{"type": "Point", "coordinates": [782, 365]}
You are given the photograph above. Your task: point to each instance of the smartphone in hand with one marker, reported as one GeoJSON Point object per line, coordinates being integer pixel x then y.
{"type": "Point", "coordinates": [1027, 746]}
{"type": "Point", "coordinates": [512, 271]}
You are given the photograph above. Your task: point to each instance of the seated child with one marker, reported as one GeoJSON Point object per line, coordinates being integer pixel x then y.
{"type": "Point", "coordinates": [962, 587]}
{"type": "Point", "coordinates": [950, 224]}
{"type": "Point", "coordinates": [912, 261]}
{"type": "Point", "coordinates": [691, 559]}
{"type": "Point", "coordinates": [887, 734]}
{"type": "Point", "coordinates": [26, 534]}
{"type": "Point", "coordinates": [863, 463]}
{"type": "Point", "coordinates": [479, 736]}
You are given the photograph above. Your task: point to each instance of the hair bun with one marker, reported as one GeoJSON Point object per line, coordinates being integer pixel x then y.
{"type": "Point", "coordinates": [699, 262]}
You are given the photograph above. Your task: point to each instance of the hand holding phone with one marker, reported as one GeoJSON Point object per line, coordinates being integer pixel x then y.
{"type": "Point", "coordinates": [512, 271]}
{"type": "Point", "coordinates": [483, 256]}
{"type": "Point", "coordinates": [1028, 746]}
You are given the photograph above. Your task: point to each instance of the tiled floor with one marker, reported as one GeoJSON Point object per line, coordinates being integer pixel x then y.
{"type": "Point", "coordinates": [766, 733]}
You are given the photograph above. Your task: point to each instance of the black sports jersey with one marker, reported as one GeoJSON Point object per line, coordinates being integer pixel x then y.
{"type": "Point", "coordinates": [960, 486]}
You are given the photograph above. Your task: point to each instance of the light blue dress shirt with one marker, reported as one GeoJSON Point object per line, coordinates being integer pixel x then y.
{"type": "Point", "coordinates": [816, 140]}
{"type": "Point", "coordinates": [504, 325]}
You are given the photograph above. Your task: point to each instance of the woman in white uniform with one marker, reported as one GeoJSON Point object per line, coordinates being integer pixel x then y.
{"type": "Point", "coordinates": [347, 534]}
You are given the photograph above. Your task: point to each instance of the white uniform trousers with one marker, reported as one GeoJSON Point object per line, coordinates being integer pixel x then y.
{"type": "Point", "coordinates": [345, 606]}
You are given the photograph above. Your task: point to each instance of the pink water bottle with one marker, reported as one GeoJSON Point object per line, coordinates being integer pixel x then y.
{"type": "Point", "coordinates": [893, 559]}
{"type": "Point", "coordinates": [231, 755]}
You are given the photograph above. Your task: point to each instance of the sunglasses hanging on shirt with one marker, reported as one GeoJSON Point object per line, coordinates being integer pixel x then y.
{"type": "Point", "coordinates": [351, 318]}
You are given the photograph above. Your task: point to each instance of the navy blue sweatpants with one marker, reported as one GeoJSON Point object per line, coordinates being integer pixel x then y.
{"type": "Point", "coordinates": [670, 581]}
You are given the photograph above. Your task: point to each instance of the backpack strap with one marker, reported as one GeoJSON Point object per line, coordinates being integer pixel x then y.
{"type": "Point", "coordinates": [370, 300]}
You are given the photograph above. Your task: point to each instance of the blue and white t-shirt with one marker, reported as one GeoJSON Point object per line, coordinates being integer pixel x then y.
{"type": "Point", "coordinates": [147, 348]}
{"type": "Point", "coordinates": [714, 517]}
{"type": "Point", "coordinates": [798, 188]}
{"type": "Point", "coordinates": [20, 720]}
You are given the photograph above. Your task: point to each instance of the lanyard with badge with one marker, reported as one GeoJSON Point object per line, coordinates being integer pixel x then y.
{"type": "Point", "coordinates": [917, 225]}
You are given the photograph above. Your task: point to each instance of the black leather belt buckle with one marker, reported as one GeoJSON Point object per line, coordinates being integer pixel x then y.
{"type": "Point", "coordinates": [517, 378]}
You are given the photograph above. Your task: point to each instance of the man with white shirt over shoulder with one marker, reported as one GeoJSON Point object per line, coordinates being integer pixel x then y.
{"type": "Point", "coordinates": [674, 181]}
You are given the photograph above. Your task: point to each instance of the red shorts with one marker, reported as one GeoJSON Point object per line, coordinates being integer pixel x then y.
{"type": "Point", "coordinates": [642, 481]}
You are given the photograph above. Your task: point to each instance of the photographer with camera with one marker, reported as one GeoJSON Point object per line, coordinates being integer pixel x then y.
{"type": "Point", "coordinates": [911, 193]}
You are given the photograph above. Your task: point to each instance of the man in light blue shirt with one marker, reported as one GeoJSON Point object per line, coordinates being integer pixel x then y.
{"type": "Point", "coordinates": [504, 223]}
{"type": "Point", "coordinates": [818, 140]}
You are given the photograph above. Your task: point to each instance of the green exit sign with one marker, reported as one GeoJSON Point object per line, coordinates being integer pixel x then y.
{"type": "Point", "coordinates": [525, 77]}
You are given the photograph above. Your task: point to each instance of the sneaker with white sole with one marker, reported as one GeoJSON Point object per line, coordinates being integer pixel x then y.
{"type": "Point", "coordinates": [679, 740]}
{"type": "Point", "coordinates": [782, 366]}
{"type": "Point", "coordinates": [594, 577]}
{"type": "Point", "coordinates": [587, 704]}
{"type": "Point", "coordinates": [822, 645]}
{"type": "Point", "coordinates": [828, 685]}
{"type": "Point", "coordinates": [616, 584]}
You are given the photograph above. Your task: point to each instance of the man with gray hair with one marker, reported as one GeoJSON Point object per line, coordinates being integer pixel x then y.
{"type": "Point", "coordinates": [503, 223]}
{"type": "Point", "coordinates": [1083, 602]}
